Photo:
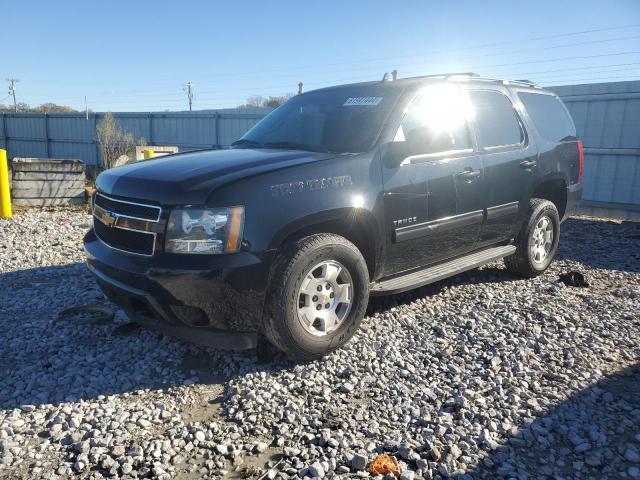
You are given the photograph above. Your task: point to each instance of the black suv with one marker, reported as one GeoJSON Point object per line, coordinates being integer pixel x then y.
{"type": "Point", "coordinates": [341, 193]}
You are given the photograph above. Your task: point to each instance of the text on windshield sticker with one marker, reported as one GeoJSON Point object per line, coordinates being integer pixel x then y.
{"type": "Point", "coordinates": [370, 101]}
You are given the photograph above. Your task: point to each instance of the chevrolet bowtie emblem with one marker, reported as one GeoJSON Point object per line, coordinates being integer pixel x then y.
{"type": "Point", "coordinates": [107, 217]}
{"type": "Point", "coordinates": [110, 218]}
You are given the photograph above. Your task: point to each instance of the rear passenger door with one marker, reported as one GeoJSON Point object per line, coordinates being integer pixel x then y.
{"type": "Point", "coordinates": [509, 157]}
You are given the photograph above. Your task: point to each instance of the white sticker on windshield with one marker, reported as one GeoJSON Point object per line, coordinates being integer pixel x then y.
{"type": "Point", "coordinates": [370, 101]}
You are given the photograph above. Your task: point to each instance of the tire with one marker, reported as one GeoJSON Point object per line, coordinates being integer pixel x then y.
{"type": "Point", "coordinates": [526, 261]}
{"type": "Point", "coordinates": [292, 303]}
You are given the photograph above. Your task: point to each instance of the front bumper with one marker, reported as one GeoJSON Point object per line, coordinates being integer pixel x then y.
{"type": "Point", "coordinates": [210, 300]}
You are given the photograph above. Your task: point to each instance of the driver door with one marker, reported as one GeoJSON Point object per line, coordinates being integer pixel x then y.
{"type": "Point", "coordinates": [433, 180]}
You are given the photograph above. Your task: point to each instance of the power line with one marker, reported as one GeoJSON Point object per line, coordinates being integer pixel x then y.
{"type": "Point", "coordinates": [395, 57]}
{"type": "Point", "coordinates": [360, 76]}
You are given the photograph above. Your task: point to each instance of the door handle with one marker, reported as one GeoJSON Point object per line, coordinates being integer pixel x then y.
{"type": "Point", "coordinates": [469, 175]}
{"type": "Point", "coordinates": [528, 164]}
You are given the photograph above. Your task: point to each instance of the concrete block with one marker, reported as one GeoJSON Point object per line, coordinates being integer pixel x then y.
{"type": "Point", "coordinates": [158, 150]}
{"type": "Point", "coordinates": [48, 176]}
{"type": "Point", "coordinates": [48, 186]}
{"type": "Point", "coordinates": [44, 202]}
{"type": "Point", "coordinates": [46, 193]}
{"type": "Point", "coordinates": [20, 164]}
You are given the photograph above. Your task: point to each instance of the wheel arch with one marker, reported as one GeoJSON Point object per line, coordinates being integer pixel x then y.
{"type": "Point", "coordinates": [553, 189]}
{"type": "Point", "coordinates": [355, 224]}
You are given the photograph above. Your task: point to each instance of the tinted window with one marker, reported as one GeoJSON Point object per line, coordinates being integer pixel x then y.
{"type": "Point", "coordinates": [336, 120]}
{"type": "Point", "coordinates": [495, 119]}
{"type": "Point", "coordinates": [436, 121]}
{"type": "Point", "coordinates": [549, 116]}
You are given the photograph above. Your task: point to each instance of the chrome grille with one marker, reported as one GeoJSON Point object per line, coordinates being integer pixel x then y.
{"type": "Point", "coordinates": [127, 226]}
{"type": "Point", "coordinates": [127, 208]}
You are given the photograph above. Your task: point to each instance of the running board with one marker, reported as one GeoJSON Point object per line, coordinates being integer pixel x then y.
{"type": "Point", "coordinates": [441, 271]}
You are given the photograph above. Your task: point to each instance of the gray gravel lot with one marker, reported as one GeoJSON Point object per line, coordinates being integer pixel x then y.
{"type": "Point", "coordinates": [480, 376]}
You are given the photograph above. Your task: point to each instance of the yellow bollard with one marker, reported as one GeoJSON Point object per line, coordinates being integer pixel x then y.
{"type": "Point", "coordinates": [5, 197]}
{"type": "Point", "coordinates": [148, 153]}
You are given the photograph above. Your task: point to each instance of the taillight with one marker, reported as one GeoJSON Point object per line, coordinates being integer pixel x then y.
{"type": "Point", "coordinates": [580, 160]}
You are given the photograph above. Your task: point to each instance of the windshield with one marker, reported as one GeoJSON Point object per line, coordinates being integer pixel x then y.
{"type": "Point", "coordinates": [344, 120]}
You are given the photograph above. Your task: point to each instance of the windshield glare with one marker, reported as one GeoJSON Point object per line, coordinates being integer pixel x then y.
{"type": "Point", "coordinates": [345, 120]}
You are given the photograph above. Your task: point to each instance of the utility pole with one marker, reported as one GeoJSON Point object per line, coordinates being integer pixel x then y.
{"type": "Point", "coordinates": [189, 89]}
{"type": "Point", "coordinates": [86, 108]}
{"type": "Point", "coordinates": [12, 91]}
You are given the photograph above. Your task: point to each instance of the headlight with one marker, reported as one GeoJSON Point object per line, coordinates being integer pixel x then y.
{"type": "Point", "coordinates": [205, 231]}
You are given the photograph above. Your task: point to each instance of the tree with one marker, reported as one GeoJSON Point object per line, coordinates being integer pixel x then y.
{"type": "Point", "coordinates": [45, 107]}
{"type": "Point", "coordinates": [114, 142]}
{"type": "Point", "coordinates": [52, 107]}
{"type": "Point", "coordinates": [254, 101]}
{"type": "Point", "coordinates": [273, 102]}
{"type": "Point", "coordinates": [257, 101]}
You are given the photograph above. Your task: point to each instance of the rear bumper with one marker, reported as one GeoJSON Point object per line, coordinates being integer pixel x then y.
{"type": "Point", "coordinates": [574, 195]}
{"type": "Point", "coordinates": [214, 300]}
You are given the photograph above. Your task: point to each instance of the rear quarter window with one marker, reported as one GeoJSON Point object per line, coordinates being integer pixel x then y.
{"type": "Point", "coordinates": [549, 116]}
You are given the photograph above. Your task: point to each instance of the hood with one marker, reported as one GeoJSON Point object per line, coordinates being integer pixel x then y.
{"type": "Point", "coordinates": [189, 178]}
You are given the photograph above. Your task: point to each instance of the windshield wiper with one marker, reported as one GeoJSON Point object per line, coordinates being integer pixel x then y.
{"type": "Point", "coordinates": [246, 141]}
{"type": "Point", "coordinates": [290, 145]}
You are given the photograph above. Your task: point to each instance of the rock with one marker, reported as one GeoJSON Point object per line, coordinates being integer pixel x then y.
{"type": "Point", "coordinates": [346, 387]}
{"type": "Point", "coordinates": [633, 472]}
{"type": "Point", "coordinates": [261, 447]}
{"type": "Point", "coordinates": [359, 462]}
{"type": "Point", "coordinates": [632, 454]}
{"type": "Point", "coordinates": [455, 452]}
{"type": "Point", "coordinates": [143, 423]}
{"type": "Point", "coordinates": [435, 377]}
{"type": "Point", "coordinates": [407, 475]}
{"type": "Point", "coordinates": [436, 456]}
{"type": "Point", "coordinates": [222, 449]}
{"type": "Point", "coordinates": [291, 451]}
{"type": "Point", "coordinates": [316, 470]}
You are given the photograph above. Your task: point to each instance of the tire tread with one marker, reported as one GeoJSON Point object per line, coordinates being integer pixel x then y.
{"type": "Point", "coordinates": [277, 332]}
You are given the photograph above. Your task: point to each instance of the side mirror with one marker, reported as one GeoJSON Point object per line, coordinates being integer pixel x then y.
{"type": "Point", "coordinates": [395, 153]}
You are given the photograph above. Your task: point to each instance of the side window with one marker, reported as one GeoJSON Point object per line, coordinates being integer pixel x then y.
{"type": "Point", "coordinates": [436, 121]}
{"type": "Point", "coordinates": [549, 116]}
{"type": "Point", "coordinates": [496, 120]}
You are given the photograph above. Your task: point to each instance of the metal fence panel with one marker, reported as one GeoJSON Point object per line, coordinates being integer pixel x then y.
{"type": "Point", "coordinates": [72, 135]}
{"type": "Point", "coordinates": [607, 118]}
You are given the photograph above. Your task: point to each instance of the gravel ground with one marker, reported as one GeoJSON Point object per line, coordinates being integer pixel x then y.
{"type": "Point", "coordinates": [481, 376]}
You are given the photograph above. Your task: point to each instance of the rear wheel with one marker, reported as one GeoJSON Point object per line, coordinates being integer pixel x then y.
{"type": "Point", "coordinates": [538, 240]}
{"type": "Point", "coordinates": [318, 296]}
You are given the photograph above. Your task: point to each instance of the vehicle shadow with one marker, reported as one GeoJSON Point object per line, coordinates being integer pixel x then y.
{"type": "Point", "coordinates": [47, 359]}
{"type": "Point", "coordinates": [601, 244]}
{"type": "Point", "coordinates": [584, 436]}
{"type": "Point", "coordinates": [487, 274]}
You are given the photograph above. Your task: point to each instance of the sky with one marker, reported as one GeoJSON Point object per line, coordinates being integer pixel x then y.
{"type": "Point", "coordinates": [137, 55]}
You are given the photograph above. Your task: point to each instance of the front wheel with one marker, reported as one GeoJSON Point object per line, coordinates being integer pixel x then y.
{"type": "Point", "coordinates": [318, 296]}
{"type": "Point", "coordinates": [538, 240]}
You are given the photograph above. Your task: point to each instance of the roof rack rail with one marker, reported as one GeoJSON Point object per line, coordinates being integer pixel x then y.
{"type": "Point", "coordinates": [529, 83]}
{"type": "Point", "coordinates": [476, 76]}
{"type": "Point", "coordinates": [447, 75]}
